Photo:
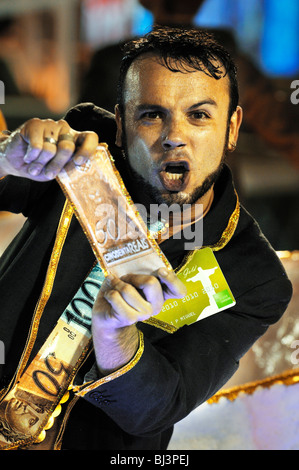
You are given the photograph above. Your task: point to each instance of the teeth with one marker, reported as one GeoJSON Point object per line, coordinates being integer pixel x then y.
{"type": "Point", "coordinates": [174, 176]}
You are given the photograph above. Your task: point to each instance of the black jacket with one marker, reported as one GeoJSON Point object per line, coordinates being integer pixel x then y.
{"type": "Point", "coordinates": [173, 373]}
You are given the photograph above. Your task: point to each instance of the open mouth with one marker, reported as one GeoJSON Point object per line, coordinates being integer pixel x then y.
{"type": "Point", "coordinates": [174, 175]}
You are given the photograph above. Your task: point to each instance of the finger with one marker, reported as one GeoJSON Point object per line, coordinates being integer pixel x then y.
{"type": "Point", "coordinates": [122, 311]}
{"type": "Point", "coordinates": [46, 154]}
{"type": "Point", "coordinates": [42, 139]}
{"type": "Point", "coordinates": [32, 132]}
{"type": "Point", "coordinates": [101, 307]}
{"type": "Point", "coordinates": [44, 145]}
{"type": "Point", "coordinates": [172, 285]}
{"type": "Point", "coordinates": [131, 296]}
{"type": "Point", "coordinates": [43, 135]}
{"type": "Point", "coordinates": [106, 311]}
{"type": "Point", "coordinates": [64, 151]}
{"type": "Point", "coordinates": [86, 144]}
{"type": "Point", "coordinates": [150, 287]}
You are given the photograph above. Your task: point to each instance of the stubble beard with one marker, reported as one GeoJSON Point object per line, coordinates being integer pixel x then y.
{"type": "Point", "coordinates": [169, 198]}
{"type": "Point", "coordinates": [179, 198]}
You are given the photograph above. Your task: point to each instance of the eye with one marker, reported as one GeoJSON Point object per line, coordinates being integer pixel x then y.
{"type": "Point", "coordinates": [201, 115]}
{"type": "Point", "coordinates": [151, 115]}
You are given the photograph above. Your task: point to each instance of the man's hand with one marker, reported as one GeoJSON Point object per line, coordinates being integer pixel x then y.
{"type": "Point", "coordinates": [121, 303]}
{"type": "Point", "coordinates": [39, 149]}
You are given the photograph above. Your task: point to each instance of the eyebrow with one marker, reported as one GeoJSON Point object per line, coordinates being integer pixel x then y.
{"type": "Point", "coordinates": [157, 107]}
{"type": "Point", "coordinates": [207, 101]}
{"type": "Point", "coordinates": [149, 107]}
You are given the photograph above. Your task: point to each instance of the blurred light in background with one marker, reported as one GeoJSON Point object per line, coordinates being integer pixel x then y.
{"type": "Point", "coordinates": [105, 22]}
{"type": "Point", "coordinates": [142, 21]}
{"type": "Point", "coordinates": [280, 39]}
{"type": "Point", "coordinates": [267, 30]}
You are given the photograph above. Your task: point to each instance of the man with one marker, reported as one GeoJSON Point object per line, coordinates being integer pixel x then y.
{"type": "Point", "coordinates": [177, 116]}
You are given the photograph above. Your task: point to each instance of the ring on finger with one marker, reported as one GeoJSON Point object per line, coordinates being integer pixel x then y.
{"type": "Point", "coordinates": [69, 137]}
{"type": "Point", "coordinates": [50, 140]}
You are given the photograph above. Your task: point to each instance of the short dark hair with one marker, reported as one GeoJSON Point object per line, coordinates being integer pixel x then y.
{"type": "Point", "coordinates": [182, 50]}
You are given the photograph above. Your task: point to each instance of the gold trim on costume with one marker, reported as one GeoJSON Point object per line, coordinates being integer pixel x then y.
{"type": "Point", "coordinates": [61, 234]}
{"type": "Point", "coordinates": [114, 375]}
{"type": "Point", "coordinates": [161, 324]}
{"type": "Point", "coordinates": [230, 229]}
{"type": "Point", "coordinates": [289, 377]}
{"type": "Point", "coordinates": [226, 236]}
{"type": "Point", "coordinates": [59, 437]}
{"type": "Point", "coordinates": [62, 231]}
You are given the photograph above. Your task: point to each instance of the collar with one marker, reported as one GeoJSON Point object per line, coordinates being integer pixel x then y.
{"type": "Point", "coordinates": [224, 212]}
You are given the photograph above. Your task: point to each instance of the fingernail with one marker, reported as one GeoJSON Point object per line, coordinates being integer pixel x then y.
{"type": "Point", "coordinates": [49, 174]}
{"type": "Point", "coordinates": [79, 160]}
{"type": "Point", "coordinates": [108, 280]}
{"type": "Point", "coordinates": [31, 154]}
{"type": "Point", "coordinates": [34, 170]}
{"type": "Point", "coordinates": [163, 272]}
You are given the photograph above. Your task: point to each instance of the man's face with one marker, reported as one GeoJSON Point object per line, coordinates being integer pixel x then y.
{"type": "Point", "coordinates": [176, 130]}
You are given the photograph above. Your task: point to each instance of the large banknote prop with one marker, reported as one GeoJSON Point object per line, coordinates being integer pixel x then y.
{"type": "Point", "coordinates": [120, 239]}
{"type": "Point", "coordinates": [122, 244]}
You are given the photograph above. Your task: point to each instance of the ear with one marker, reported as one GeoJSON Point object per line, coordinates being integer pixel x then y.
{"type": "Point", "coordinates": [118, 139]}
{"type": "Point", "coordinates": [234, 126]}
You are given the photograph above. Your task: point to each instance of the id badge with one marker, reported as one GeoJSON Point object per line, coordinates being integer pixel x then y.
{"type": "Point", "coordinates": [207, 291]}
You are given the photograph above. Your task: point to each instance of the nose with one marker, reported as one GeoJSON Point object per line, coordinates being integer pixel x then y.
{"type": "Point", "coordinates": [173, 136]}
{"type": "Point", "coordinates": [172, 143]}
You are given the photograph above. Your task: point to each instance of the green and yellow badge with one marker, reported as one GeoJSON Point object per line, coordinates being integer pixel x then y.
{"type": "Point", "coordinates": [207, 291]}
